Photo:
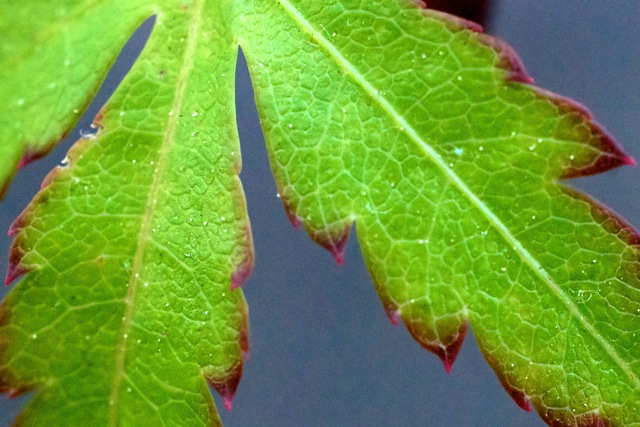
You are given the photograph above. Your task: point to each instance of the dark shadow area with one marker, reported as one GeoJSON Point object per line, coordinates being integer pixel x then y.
{"type": "Point", "coordinates": [474, 10]}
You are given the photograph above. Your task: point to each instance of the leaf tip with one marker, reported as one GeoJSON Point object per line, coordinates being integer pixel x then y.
{"type": "Point", "coordinates": [16, 267]}
{"type": "Point", "coordinates": [13, 273]}
{"type": "Point", "coordinates": [333, 241]}
{"type": "Point", "coordinates": [519, 397]}
{"type": "Point", "coordinates": [228, 403]}
{"type": "Point", "coordinates": [227, 386]}
{"type": "Point", "coordinates": [446, 351]}
{"type": "Point", "coordinates": [393, 315]}
{"type": "Point", "coordinates": [508, 59]}
{"type": "Point", "coordinates": [449, 353]}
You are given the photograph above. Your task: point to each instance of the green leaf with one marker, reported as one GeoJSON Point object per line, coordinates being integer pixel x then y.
{"type": "Point", "coordinates": [410, 124]}
{"type": "Point", "coordinates": [134, 243]}
{"type": "Point", "coordinates": [59, 37]}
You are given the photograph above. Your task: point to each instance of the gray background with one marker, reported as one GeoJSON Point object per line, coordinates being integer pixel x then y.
{"type": "Point", "coordinates": [323, 352]}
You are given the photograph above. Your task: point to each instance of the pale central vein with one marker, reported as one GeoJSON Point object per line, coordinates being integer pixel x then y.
{"type": "Point", "coordinates": [524, 254]}
{"type": "Point", "coordinates": [145, 230]}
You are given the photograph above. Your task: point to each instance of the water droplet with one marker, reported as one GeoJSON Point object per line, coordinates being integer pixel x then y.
{"type": "Point", "coordinates": [480, 148]}
{"type": "Point", "coordinates": [594, 261]}
{"type": "Point", "coordinates": [290, 125]}
{"type": "Point", "coordinates": [458, 151]}
{"type": "Point", "coordinates": [34, 336]}
{"type": "Point", "coordinates": [571, 157]}
{"type": "Point", "coordinates": [146, 284]}
{"type": "Point", "coordinates": [166, 305]}
{"type": "Point", "coordinates": [195, 114]}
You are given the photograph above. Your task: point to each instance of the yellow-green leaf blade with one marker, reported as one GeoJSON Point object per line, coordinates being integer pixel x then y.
{"type": "Point", "coordinates": [127, 310]}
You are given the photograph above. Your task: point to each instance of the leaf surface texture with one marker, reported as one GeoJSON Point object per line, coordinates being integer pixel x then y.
{"type": "Point", "coordinates": [411, 125]}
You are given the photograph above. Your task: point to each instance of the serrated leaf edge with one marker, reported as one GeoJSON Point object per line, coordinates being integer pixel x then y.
{"type": "Point", "coordinates": [511, 240]}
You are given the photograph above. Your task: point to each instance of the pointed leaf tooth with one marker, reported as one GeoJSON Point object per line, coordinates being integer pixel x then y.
{"type": "Point", "coordinates": [509, 60]}
{"type": "Point", "coordinates": [14, 392]}
{"type": "Point", "coordinates": [13, 272]}
{"type": "Point", "coordinates": [30, 155]}
{"type": "Point", "coordinates": [609, 154]}
{"type": "Point", "coordinates": [518, 396]}
{"type": "Point", "coordinates": [446, 348]}
{"type": "Point", "coordinates": [16, 266]}
{"type": "Point", "coordinates": [19, 223]}
{"type": "Point", "coordinates": [393, 315]}
{"type": "Point", "coordinates": [226, 386]}
{"type": "Point", "coordinates": [391, 309]}
{"type": "Point", "coordinates": [334, 240]}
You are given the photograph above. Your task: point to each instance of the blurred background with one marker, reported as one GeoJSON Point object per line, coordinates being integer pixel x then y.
{"type": "Point", "coordinates": [323, 352]}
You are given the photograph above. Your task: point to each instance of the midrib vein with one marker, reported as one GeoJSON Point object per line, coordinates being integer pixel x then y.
{"type": "Point", "coordinates": [143, 237]}
{"type": "Point", "coordinates": [459, 184]}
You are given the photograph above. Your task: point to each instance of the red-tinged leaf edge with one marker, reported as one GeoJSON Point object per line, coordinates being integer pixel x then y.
{"type": "Point", "coordinates": [518, 396]}
{"type": "Point", "coordinates": [30, 155]}
{"type": "Point", "coordinates": [608, 219]}
{"type": "Point", "coordinates": [227, 386]}
{"type": "Point", "coordinates": [16, 267]}
{"type": "Point", "coordinates": [612, 155]}
{"type": "Point", "coordinates": [244, 268]}
{"type": "Point", "coordinates": [294, 219]}
{"type": "Point", "coordinates": [447, 352]}
{"type": "Point", "coordinates": [334, 241]}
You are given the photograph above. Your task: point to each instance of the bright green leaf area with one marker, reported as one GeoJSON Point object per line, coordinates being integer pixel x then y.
{"type": "Point", "coordinates": [399, 120]}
